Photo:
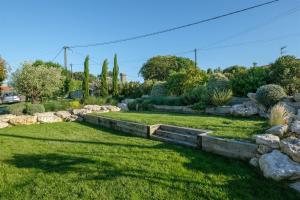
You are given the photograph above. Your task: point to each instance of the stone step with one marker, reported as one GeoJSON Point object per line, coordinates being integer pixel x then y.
{"type": "Point", "coordinates": [170, 140]}
{"type": "Point", "coordinates": [182, 130]}
{"type": "Point", "coordinates": [177, 136]}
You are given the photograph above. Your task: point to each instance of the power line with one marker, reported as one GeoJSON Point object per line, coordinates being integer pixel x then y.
{"type": "Point", "coordinates": [57, 54]}
{"type": "Point", "coordinates": [174, 28]}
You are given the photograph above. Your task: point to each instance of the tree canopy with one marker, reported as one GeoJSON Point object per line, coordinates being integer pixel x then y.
{"type": "Point", "coordinates": [3, 70]}
{"type": "Point", "coordinates": [160, 67]}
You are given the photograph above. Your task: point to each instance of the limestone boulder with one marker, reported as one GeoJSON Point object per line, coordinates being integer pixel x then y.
{"type": "Point", "coordinates": [48, 117]}
{"type": "Point", "coordinates": [268, 140]}
{"type": "Point", "coordinates": [278, 130]}
{"type": "Point", "coordinates": [254, 162]}
{"type": "Point", "coordinates": [279, 166]}
{"type": "Point", "coordinates": [263, 149]}
{"type": "Point", "coordinates": [112, 108]}
{"type": "Point", "coordinates": [3, 124]}
{"type": "Point", "coordinates": [23, 120]}
{"type": "Point", "coordinates": [81, 112]}
{"type": "Point", "coordinates": [291, 147]}
{"type": "Point", "coordinates": [123, 106]}
{"type": "Point", "coordinates": [6, 117]}
{"type": "Point", "coordinates": [295, 186]}
{"type": "Point", "coordinates": [246, 109]}
{"type": "Point", "coordinates": [72, 118]}
{"type": "Point", "coordinates": [295, 127]}
{"type": "Point", "coordinates": [94, 108]}
{"type": "Point", "coordinates": [297, 97]}
{"type": "Point", "coordinates": [63, 114]}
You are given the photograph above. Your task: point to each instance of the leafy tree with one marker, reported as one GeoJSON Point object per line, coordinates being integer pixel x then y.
{"type": "Point", "coordinates": [37, 82]}
{"type": "Point", "coordinates": [3, 70]}
{"type": "Point", "coordinates": [115, 77]}
{"type": "Point", "coordinates": [80, 76]}
{"type": "Point", "coordinates": [132, 90]}
{"type": "Point", "coordinates": [243, 81]}
{"type": "Point", "coordinates": [85, 84]}
{"type": "Point", "coordinates": [46, 64]}
{"type": "Point", "coordinates": [233, 69]}
{"type": "Point", "coordinates": [104, 84]}
{"type": "Point", "coordinates": [160, 67]}
{"type": "Point", "coordinates": [286, 72]}
{"type": "Point", "coordinates": [180, 82]}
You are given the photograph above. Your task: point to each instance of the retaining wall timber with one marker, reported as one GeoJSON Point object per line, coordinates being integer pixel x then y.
{"type": "Point", "coordinates": [227, 147]}
{"type": "Point", "coordinates": [124, 126]}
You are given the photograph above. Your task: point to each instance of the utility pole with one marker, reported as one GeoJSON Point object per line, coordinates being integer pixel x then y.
{"type": "Point", "coordinates": [65, 57]}
{"type": "Point", "coordinates": [282, 50]}
{"type": "Point", "coordinates": [71, 65]}
{"type": "Point", "coordinates": [195, 51]}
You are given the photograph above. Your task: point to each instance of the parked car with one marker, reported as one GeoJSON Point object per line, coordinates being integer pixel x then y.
{"type": "Point", "coordinates": [10, 98]}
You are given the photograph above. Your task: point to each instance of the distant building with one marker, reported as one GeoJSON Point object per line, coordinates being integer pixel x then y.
{"type": "Point", "coordinates": [123, 78]}
{"type": "Point", "coordinates": [6, 88]}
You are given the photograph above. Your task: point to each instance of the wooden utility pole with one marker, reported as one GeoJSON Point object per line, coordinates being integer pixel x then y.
{"type": "Point", "coordinates": [282, 50]}
{"type": "Point", "coordinates": [65, 57]}
{"type": "Point", "coordinates": [195, 51]}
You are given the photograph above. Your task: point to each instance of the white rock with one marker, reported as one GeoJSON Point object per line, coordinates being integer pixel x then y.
{"type": "Point", "coordinates": [93, 108]}
{"type": "Point", "coordinates": [295, 127]}
{"type": "Point", "coordinates": [263, 149]}
{"type": "Point", "coordinates": [112, 108]}
{"type": "Point", "coordinates": [279, 166]}
{"type": "Point", "coordinates": [268, 140]}
{"type": "Point", "coordinates": [291, 147]}
{"type": "Point", "coordinates": [295, 186]}
{"type": "Point", "coordinates": [72, 118]}
{"type": "Point", "coordinates": [6, 117]}
{"type": "Point", "coordinates": [23, 120]}
{"type": "Point", "coordinates": [246, 109]}
{"type": "Point", "coordinates": [123, 106]}
{"type": "Point", "coordinates": [297, 97]}
{"type": "Point", "coordinates": [48, 117]}
{"type": "Point", "coordinates": [278, 130]}
{"type": "Point", "coordinates": [3, 124]}
{"type": "Point", "coordinates": [254, 162]}
{"type": "Point", "coordinates": [81, 111]}
{"type": "Point", "coordinates": [63, 114]}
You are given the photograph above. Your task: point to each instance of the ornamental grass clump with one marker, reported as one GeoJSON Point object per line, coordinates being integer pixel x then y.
{"type": "Point", "coordinates": [220, 97]}
{"type": "Point", "coordinates": [279, 115]}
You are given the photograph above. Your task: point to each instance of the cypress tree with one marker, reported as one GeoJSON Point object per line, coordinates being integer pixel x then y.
{"type": "Point", "coordinates": [104, 85]}
{"type": "Point", "coordinates": [85, 83]}
{"type": "Point", "coordinates": [115, 77]}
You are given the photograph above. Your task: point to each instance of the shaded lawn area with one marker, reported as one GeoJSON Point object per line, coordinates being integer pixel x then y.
{"type": "Point", "coordinates": [226, 127]}
{"type": "Point", "coordinates": [80, 161]}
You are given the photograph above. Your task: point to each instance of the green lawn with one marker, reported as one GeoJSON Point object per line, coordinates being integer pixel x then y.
{"type": "Point", "coordinates": [80, 161]}
{"type": "Point", "coordinates": [227, 127]}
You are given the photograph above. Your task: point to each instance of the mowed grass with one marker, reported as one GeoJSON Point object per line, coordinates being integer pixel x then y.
{"type": "Point", "coordinates": [226, 127]}
{"type": "Point", "coordinates": [80, 161]}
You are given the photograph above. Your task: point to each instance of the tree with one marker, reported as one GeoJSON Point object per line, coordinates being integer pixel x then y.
{"type": "Point", "coordinates": [160, 67]}
{"type": "Point", "coordinates": [104, 84]}
{"type": "Point", "coordinates": [286, 72]}
{"type": "Point", "coordinates": [3, 70]}
{"type": "Point", "coordinates": [37, 82]}
{"type": "Point", "coordinates": [85, 83]}
{"type": "Point", "coordinates": [115, 77]}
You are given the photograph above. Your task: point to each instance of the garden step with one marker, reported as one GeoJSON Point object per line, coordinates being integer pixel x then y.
{"type": "Point", "coordinates": [182, 130]}
{"type": "Point", "coordinates": [177, 136]}
{"type": "Point", "coordinates": [170, 140]}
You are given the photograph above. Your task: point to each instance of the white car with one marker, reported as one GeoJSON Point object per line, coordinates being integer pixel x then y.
{"type": "Point", "coordinates": [10, 98]}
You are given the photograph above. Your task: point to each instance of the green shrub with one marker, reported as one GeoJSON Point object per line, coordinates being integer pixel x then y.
{"type": "Point", "coordinates": [220, 97]}
{"type": "Point", "coordinates": [199, 106]}
{"type": "Point", "coordinates": [17, 109]}
{"type": "Point", "coordinates": [286, 72]}
{"type": "Point", "coordinates": [244, 81]}
{"type": "Point", "coordinates": [217, 81]}
{"type": "Point", "coordinates": [197, 94]}
{"type": "Point", "coordinates": [91, 100]}
{"type": "Point", "coordinates": [56, 105]}
{"type": "Point", "coordinates": [74, 104]}
{"type": "Point", "coordinates": [159, 89]}
{"type": "Point", "coordinates": [31, 109]}
{"type": "Point", "coordinates": [269, 95]}
{"type": "Point", "coordinates": [112, 101]}
{"type": "Point", "coordinates": [132, 90]}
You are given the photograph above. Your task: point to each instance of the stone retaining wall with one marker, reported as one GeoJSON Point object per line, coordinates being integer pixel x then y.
{"type": "Point", "coordinates": [220, 146]}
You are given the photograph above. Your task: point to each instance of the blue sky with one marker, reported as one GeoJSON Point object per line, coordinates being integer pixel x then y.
{"type": "Point", "coordinates": [37, 29]}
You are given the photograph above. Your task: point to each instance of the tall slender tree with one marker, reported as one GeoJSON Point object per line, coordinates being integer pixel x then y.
{"type": "Point", "coordinates": [115, 77]}
{"type": "Point", "coordinates": [85, 83]}
{"type": "Point", "coordinates": [104, 85]}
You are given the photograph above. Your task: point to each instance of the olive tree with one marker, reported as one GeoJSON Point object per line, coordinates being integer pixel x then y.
{"type": "Point", "coordinates": [36, 82]}
{"type": "Point", "coordinates": [3, 70]}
